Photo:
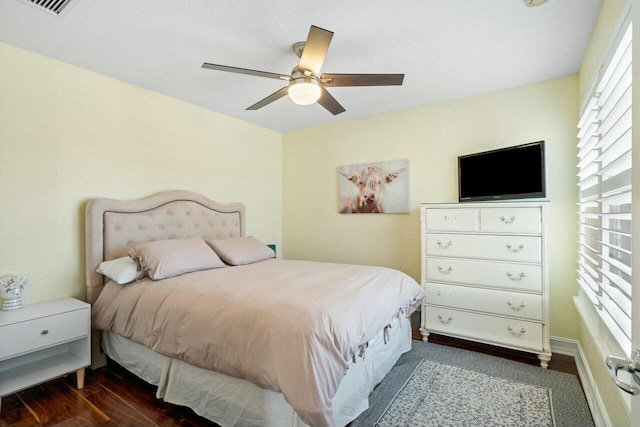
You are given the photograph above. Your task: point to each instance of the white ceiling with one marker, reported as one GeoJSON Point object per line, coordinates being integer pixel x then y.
{"type": "Point", "coordinates": [446, 48]}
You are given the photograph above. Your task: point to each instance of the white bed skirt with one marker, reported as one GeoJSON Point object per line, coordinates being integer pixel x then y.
{"type": "Point", "coordinates": [231, 401]}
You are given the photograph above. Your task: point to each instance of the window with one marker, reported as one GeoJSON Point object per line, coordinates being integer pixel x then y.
{"type": "Point", "coordinates": [604, 182]}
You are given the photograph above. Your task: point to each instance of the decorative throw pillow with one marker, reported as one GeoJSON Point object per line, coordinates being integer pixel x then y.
{"type": "Point", "coordinates": [167, 258]}
{"type": "Point", "coordinates": [120, 270]}
{"type": "Point", "coordinates": [241, 250]}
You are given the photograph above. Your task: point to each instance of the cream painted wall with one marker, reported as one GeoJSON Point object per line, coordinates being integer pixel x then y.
{"type": "Point", "coordinates": [431, 137]}
{"type": "Point", "coordinates": [68, 135]}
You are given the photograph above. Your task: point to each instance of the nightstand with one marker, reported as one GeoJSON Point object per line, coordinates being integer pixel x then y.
{"type": "Point", "coordinates": [43, 341]}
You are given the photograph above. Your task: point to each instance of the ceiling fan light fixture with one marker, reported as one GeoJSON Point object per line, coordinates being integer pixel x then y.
{"type": "Point", "coordinates": [304, 90]}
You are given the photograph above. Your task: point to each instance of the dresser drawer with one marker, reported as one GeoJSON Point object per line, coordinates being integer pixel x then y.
{"type": "Point", "coordinates": [493, 274]}
{"type": "Point", "coordinates": [482, 327]}
{"type": "Point", "coordinates": [43, 332]}
{"type": "Point", "coordinates": [511, 220]}
{"type": "Point", "coordinates": [452, 219]}
{"type": "Point", "coordinates": [527, 306]}
{"type": "Point", "coordinates": [506, 248]}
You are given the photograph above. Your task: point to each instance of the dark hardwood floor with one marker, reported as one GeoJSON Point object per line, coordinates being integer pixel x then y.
{"type": "Point", "coordinates": [114, 397]}
{"type": "Point", "coordinates": [111, 397]}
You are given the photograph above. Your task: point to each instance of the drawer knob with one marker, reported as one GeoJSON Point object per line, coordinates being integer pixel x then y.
{"type": "Point", "coordinates": [515, 307]}
{"type": "Point", "coordinates": [515, 333]}
{"type": "Point", "coordinates": [44, 332]}
{"type": "Point", "coordinates": [507, 220]}
{"type": "Point", "coordinates": [443, 320]}
{"type": "Point", "coordinates": [515, 249]}
{"type": "Point", "coordinates": [516, 278]}
{"type": "Point", "coordinates": [447, 218]}
{"type": "Point", "coordinates": [445, 270]}
{"type": "Point", "coordinates": [444, 245]}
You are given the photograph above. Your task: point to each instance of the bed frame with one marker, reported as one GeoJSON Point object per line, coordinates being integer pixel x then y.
{"type": "Point", "coordinates": [111, 226]}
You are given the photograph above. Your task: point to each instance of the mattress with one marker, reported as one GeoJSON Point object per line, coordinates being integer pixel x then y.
{"type": "Point", "coordinates": [231, 401]}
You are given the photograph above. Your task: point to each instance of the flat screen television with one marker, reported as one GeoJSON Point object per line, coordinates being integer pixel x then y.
{"type": "Point", "coordinates": [516, 172]}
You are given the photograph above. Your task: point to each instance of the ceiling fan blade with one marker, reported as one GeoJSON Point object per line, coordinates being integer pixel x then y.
{"type": "Point", "coordinates": [245, 71]}
{"type": "Point", "coordinates": [269, 99]}
{"type": "Point", "coordinates": [330, 103]}
{"type": "Point", "coordinates": [315, 50]}
{"type": "Point", "coordinates": [335, 80]}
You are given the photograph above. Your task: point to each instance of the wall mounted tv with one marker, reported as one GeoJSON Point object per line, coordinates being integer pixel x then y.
{"type": "Point", "coordinates": [516, 172]}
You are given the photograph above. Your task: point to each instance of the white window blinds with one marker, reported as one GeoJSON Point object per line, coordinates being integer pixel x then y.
{"type": "Point", "coordinates": [604, 208]}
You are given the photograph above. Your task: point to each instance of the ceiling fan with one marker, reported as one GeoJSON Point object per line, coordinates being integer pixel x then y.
{"type": "Point", "coordinates": [306, 85]}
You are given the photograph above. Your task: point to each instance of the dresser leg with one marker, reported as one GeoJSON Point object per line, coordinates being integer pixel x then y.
{"type": "Point", "coordinates": [425, 334]}
{"type": "Point", "coordinates": [80, 378]}
{"type": "Point", "coordinates": [544, 359]}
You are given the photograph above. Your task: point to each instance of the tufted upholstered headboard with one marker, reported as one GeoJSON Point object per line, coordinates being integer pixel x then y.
{"type": "Point", "coordinates": [111, 226]}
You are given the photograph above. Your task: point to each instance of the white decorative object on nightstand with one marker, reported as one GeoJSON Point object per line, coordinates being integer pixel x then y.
{"type": "Point", "coordinates": [44, 341]}
{"type": "Point", "coordinates": [485, 274]}
{"type": "Point", "coordinates": [11, 290]}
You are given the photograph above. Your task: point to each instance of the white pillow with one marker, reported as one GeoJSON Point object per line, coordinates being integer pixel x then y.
{"type": "Point", "coordinates": [120, 270]}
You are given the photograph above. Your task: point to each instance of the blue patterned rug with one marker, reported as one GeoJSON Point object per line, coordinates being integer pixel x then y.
{"type": "Point", "coordinates": [461, 388]}
{"type": "Point", "coordinates": [442, 395]}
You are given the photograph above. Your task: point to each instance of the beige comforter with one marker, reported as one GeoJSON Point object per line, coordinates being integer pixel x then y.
{"type": "Point", "coordinates": [289, 326]}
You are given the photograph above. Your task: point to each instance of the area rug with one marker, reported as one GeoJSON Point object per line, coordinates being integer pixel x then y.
{"type": "Point", "coordinates": [437, 394]}
{"type": "Point", "coordinates": [453, 369]}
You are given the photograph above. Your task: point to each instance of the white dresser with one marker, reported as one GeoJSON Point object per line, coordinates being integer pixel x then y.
{"type": "Point", "coordinates": [485, 273]}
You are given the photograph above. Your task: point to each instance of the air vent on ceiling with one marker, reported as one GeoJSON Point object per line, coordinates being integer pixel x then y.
{"type": "Point", "coordinates": [53, 6]}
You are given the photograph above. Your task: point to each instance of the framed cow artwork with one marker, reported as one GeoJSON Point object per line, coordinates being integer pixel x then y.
{"type": "Point", "coordinates": [374, 187]}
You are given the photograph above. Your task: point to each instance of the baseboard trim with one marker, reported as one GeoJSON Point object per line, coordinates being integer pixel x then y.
{"type": "Point", "coordinates": [591, 391]}
{"type": "Point", "coordinates": [573, 348]}
{"type": "Point", "coordinates": [565, 346]}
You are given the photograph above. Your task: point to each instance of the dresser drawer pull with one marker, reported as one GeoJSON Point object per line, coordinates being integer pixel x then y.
{"type": "Point", "coordinates": [516, 334]}
{"type": "Point", "coordinates": [512, 249]}
{"type": "Point", "coordinates": [445, 270]}
{"type": "Point", "coordinates": [516, 278]}
{"type": "Point", "coordinates": [447, 218]}
{"type": "Point", "coordinates": [515, 307]}
{"type": "Point", "coordinates": [44, 332]}
{"type": "Point", "coordinates": [443, 320]}
{"type": "Point", "coordinates": [444, 245]}
{"type": "Point", "coordinates": [507, 220]}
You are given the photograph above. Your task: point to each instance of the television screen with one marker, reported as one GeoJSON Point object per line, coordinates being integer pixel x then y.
{"type": "Point", "coordinates": [508, 173]}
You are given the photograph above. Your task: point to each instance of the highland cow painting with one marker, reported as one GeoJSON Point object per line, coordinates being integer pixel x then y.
{"type": "Point", "coordinates": [374, 187]}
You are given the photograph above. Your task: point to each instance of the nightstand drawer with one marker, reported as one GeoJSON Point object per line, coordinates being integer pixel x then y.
{"type": "Point", "coordinates": [452, 219]}
{"type": "Point", "coordinates": [42, 332]}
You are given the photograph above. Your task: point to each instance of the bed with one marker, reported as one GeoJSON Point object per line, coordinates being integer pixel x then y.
{"type": "Point", "coordinates": [275, 343]}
